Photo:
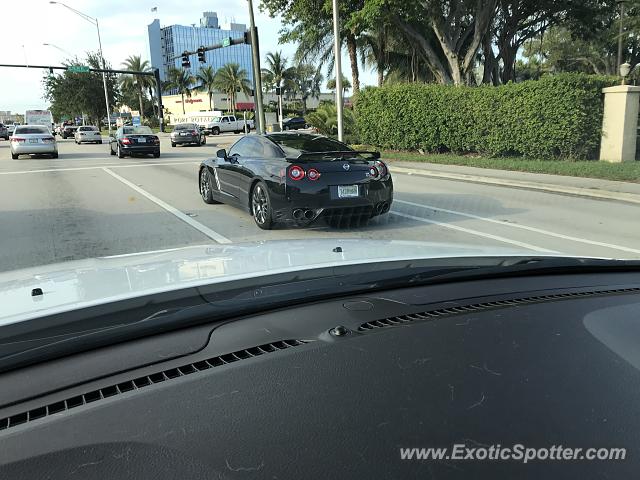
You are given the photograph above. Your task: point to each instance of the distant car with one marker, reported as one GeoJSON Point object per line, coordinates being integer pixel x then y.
{"type": "Point", "coordinates": [68, 131]}
{"type": "Point", "coordinates": [187, 133]}
{"type": "Point", "coordinates": [88, 134]}
{"type": "Point", "coordinates": [4, 132]}
{"type": "Point", "coordinates": [294, 123]}
{"type": "Point", "coordinates": [33, 140]}
{"type": "Point", "coordinates": [130, 140]}
{"type": "Point", "coordinates": [11, 127]}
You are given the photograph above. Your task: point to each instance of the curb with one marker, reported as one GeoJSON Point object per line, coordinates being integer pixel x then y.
{"type": "Point", "coordinates": [544, 187]}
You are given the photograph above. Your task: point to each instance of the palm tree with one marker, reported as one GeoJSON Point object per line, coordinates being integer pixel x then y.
{"type": "Point", "coordinates": [207, 78]}
{"type": "Point", "coordinates": [181, 80]}
{"type": "Point", "coordinates": [308, 81]}
{"type": "Point", "coordinates": [277, 70]}
{"type": "Point", "coordinates": [231, 79]}
{"type": "Point", "coordinates": [346, 84]}
{"type": "Point", "coordinates": [137, 83]}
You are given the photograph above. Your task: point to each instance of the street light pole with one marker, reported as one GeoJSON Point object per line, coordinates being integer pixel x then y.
{"type": "Point", "coordinates": [621, 33]}
{"type": "Point", "coordinates": [338, 66]}
{"type": "Point", "coordinates": [66, 52]}
{"type": "Point", "coordinates": [94, 21]}
{"type": "Point", "coordinates": [257, 78]}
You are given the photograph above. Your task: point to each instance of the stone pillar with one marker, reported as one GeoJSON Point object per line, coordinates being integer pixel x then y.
{"type": "Point", "coordinates": [620, 123]}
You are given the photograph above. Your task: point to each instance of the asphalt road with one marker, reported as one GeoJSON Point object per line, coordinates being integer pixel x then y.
{"type": "Point", "coordinates": [87, 204]}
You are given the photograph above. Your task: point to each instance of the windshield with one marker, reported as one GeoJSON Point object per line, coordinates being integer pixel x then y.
{"type": "Point", "coordinates": [466, 128]}
{"type": "Point", "coordinates": [137, 131]}
{"type": "Point", "coordinates": [186, 126]}
{"type": "Point", "coordinates": [31, 130]}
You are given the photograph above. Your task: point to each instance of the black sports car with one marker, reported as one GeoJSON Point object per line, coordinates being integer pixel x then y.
{"type": "Point", "coordinates": [298, 178]}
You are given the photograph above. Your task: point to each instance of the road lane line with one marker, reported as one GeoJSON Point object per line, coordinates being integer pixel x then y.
{"type": "Point", "coordinates": [172, 210]}
{"type": "Point", "coordinates": [523, 227]}
{"type": "Point", "coordinates": [528, 246]}
{"type": "Point", "coordinates": [97, 167]}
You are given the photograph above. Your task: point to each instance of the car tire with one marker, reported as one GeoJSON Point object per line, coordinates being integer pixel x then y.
{"type": "Point", "coordinates": [206, 187]}
{"type": "Point", "coordinates": [173, 144]}
{"type": "Point", "coordinates": [111, 152]}
{"type": "Point", "coordinates": [156, 155]}
{"type": "Point", "coordinates": [285, 128]}
{"type": "Point", "coordinates": [120, 153]}
{"type": "Point", "coordinates": [215, 131]}
{"type": "Point", "coordinates": [204, 141]}
{"type": "Point", "coordinates": [14, 156]}
{"type": "Point", "coordinates": [247, 129]}
{"type": "Point", "coordinates": [261, 206]}
{"type": "Point", "coordinates": [54, 155]}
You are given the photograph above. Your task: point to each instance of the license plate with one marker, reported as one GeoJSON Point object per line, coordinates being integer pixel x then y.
{"type": "Point", "coordinates": [33, 140]}
{"type": "Point", "coordinates": [347, 191]}
{"type": "Point", "coordinates": [142, 140]}
{"type": "Point", "coordinates": [184, 134]}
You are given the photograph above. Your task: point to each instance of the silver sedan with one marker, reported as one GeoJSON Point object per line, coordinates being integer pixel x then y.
{"type": "Point", "coordinates": [33, 140]}
{"type": "Point", "coordinates": [89, 134]}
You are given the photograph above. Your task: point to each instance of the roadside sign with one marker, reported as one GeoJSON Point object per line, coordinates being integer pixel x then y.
{"type": "Point", "coordinates": [135, 121]}
{"type": "Point", "coordinates": [78, 69]}
{"type": "Point", "coordinates": [226, 42]}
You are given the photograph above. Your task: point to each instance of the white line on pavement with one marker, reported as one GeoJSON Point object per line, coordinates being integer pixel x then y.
{"type": "Point", "coordinates": [172, 210]}
{"type": "Point", "coordinates": [475, 232]}
{"type": "Point", "coordinates": [523, 227]}
{"type": "Point", "coordinates": [97, 167]}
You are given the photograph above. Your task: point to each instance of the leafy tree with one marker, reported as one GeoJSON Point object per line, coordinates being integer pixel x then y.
{"type": "Point", "coordinates": [74, 94]}
{"type": "Point", "coordinates": [307, 81]}
{"type": "Point", "coordinates": [139, 83]}
{"type": "Point", "coordinates": [231, 79]}
{"type": "Point", "coordinates": [182, 81]}
{"type": "Point", "coordinates": [207, 78]}
{"type": "Point", "coordinates": [277, 71]}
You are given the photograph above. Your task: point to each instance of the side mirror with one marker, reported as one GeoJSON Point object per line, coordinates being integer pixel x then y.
{"type": "Point", "coordinates": [222, 153]}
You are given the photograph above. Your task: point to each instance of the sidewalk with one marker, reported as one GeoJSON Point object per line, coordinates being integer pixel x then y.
{"type": "Point", "coordinates": [577, 186]}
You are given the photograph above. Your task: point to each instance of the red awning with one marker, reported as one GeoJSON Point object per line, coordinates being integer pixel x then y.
{"type": "Point", "coordinates": [245, 106]}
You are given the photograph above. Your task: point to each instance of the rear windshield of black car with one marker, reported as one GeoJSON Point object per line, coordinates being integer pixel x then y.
{"type": "Point", "coordinates": [185, 126]}
{"type": "Point", "coordinates": [294, 145]}
{"type": "Point", "coordinates": [137, 131]}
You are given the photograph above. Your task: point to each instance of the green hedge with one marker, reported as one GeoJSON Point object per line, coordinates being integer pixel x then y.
{"type": "Point", "coordinates": [556, 116]}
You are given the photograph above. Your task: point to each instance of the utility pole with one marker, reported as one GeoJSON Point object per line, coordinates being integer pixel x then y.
{"type": "Point", "coordinates": [338, 66]}
{"type": "Point", "coordinates": [257, 78]}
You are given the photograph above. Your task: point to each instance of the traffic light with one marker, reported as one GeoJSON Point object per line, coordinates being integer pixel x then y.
{"type": "Point", "coordinates": [185, 60]}
{"type": "Point", "coordinates": [201, 58]}
{"type": "Point", "coordinates": [278, 91]}
{"type": "Point", "coordinates": [247, 37]}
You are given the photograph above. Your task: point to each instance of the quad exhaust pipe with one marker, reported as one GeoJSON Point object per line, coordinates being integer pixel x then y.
{"type": "Point", "coordinates": [304, 214]}
{"type": "Point", "coordinates": [382, 207]}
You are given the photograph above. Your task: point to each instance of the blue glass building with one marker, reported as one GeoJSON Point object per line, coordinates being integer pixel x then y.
{"type": "Point", "coordinates": [166, 43]}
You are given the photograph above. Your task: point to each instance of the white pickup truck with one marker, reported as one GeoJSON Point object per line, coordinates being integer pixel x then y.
{"type": "Point", "coordinates": [228, 123]}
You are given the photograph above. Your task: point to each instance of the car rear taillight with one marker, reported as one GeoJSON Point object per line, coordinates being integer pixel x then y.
{"type": "Point", "coordinates": [126, 141]}
{"type": "Point", "coordinates": [373, 172]}
{"type": "Point", "coordinates": [296, 173]}
{"type": "Point", "coordinates": [194, 132]}
{"type": "Point", "coordinates": [313, 174]}
{"type": "Point", "coordinates": [156, 140]}
{"type": "Point", "coordinates": [382, 168]}
{"type": "Point", "coordinates": [18, 139]}
{"type": "Point", "coordinates": [48, 140]}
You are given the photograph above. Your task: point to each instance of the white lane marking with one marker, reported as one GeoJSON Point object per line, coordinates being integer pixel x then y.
{"type": "Point", "coordinates": [475, 232]}
{"type": "Point", "coordinates": [524, 227]}
{"type": "Point", "coordinates": [97, 167]}
{"type": "Point", "coordinates": [172, 210]}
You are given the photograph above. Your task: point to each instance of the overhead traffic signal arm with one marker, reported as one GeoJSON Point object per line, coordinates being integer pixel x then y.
{"type": "Point", "coordinates": [227, 42]}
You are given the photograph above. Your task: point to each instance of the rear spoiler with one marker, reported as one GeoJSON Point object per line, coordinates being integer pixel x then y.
{"type": "Point", "coordinates": [338, 154]}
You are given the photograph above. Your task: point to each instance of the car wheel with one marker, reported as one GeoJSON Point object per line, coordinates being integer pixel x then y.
{"type": "Point", "coordinates": [111, 152]}
{"type": "Point", "coordinates": [285, 128]}
{"type": "Point", "coordinates": [156, 155]}
{"type": "Point", "coordinates": [215, 131]}
{"type": "Point", "coordinates": [54, 155]}
{"type": "Point", "coordinates": [204, 141]}
{"type": "Point", "coordinates": [14, 156]}
{"type": "Point", "coordinates": [120, 152]}
{"type": "Point", "coordinates": [247, 129]}
{"type": "Point", "coordinates": [173, 144]}
{"type": "Point", "coordinates": [206, 187]}
{"type": "Point", "coordinates": [261, 206]}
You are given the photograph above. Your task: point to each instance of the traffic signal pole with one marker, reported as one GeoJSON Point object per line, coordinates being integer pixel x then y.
{"type": "Point", "coordinates": [257, 77]}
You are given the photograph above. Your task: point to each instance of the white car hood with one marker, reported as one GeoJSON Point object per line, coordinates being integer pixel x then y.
{"type": "Point", "coordinates": [77, 284]}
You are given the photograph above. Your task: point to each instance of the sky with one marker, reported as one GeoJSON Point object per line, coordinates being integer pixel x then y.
{"type": "Point", "coordinates": [27, 24]}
